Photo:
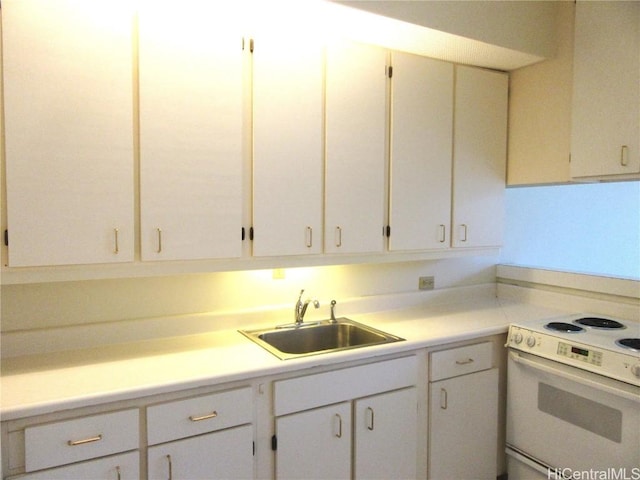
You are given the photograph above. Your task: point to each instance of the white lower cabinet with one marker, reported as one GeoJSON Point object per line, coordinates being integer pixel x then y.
{"type": "Point", "coordinates": [366, 428]}
{"type": "Point", "coordinates": [118, 467]}
{"type": "Point", "coordinates": [463, 414]}
{"type": "Point", "coordinates": [220, 455]}
{"type": "Point", "coordinates": [315, 443]}
{"type": "Point", "coordinates": [208, 436]}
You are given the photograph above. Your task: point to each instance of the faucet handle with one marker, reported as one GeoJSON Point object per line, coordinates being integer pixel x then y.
{"type": "Point", "coordinates": [333, 311]}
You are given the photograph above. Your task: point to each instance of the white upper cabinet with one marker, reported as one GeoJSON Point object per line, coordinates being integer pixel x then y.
{"type": "Point", "coordinates": [288, 166]}
{"type": "Point", "coordinates": [356, 92]}
{"type": "Point", "coordinates": [421, 139]}
{"type": "Point", "coordinates": [191, 124]}
{"type": "Point", "coordinates": [605, 136]}
{"type": "Point", "coordinates": [479, 161]}
{"type": "Point", "coordinates": [68, 106]}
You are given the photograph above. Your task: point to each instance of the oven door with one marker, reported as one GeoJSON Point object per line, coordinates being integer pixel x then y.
{"type": "Point", "coordinates": [569, 419]}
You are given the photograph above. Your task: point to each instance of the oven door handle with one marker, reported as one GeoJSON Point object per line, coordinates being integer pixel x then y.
{"type": "Point", "coordinates": [576, 378]}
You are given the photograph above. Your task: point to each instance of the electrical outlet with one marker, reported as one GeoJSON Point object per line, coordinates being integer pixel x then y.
{"type": "Point", "coordinates": [426, 283]}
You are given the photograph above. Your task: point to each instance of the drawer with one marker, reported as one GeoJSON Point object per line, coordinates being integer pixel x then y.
{"type": "Point", "coordinates": [311, 391]}
{"type": "Point", "coordinates": [79, 439]}
{"type": "Point", "coordinates": [460, 361]}
{"type": "Point", "coordinates": [197, 415]}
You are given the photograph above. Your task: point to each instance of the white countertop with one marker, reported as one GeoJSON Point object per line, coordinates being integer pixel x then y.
{"type": "Point", "coordinates": [46, 383]}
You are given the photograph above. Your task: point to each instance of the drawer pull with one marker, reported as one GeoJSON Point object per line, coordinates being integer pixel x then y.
{"type": "Point", "coordinates": [213, 414]}
{"type": "Point", "coordinates": [74, 443]}
{"type": "Point", "coordinates": [464, 362]}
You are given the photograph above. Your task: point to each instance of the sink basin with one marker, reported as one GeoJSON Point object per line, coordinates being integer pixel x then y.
{"type": "Point", "coordinates": [318, 337]}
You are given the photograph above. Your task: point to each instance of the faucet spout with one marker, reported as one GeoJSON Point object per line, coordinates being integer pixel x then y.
{"type": "Point", "coordinates": [301, 308]}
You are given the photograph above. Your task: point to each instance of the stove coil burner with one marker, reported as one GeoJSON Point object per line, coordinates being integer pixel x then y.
{"type": "Point", "coordinates": [630, 343]}
{"type": "Point", "coordinates": [564, 327]}
{"type": "Point", "coordinates": [603, 323]}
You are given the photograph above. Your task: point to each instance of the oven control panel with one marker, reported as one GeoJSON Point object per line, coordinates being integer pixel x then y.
{"type": "Point", "coordinates": [603, 361]}
{"type": "Point", "coordinates": [593, 357]}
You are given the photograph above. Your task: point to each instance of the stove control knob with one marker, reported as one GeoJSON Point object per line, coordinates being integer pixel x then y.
{"type": "Point", "coordinates": [531, 341]}
{"type": "Point", "coordinates": [517, 338]}
{"type": "Point", "coordinates": [635, 370]}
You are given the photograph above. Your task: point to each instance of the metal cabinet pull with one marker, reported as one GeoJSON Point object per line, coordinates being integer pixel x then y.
{"type": "Point", "coordinates": [624, 155]}
{"type": "Point", "coordinates": [116, 247]}
{"type": "Point", "coordinates": [338, 236]}
{"type": "Point", "coordinates": [443, 399]}
{"type": "Point", "coordinates": [118, 472]}
{"type": "Point", "coordinates": [213, 414]}
{"type": "Point", "coordinates": [339, 432]}
{"type": "Point", "coordinates": [309, 237]}
{"type": "Point", "coordinates": [159, 240]}
{"type": "Point", "coordinates": [370, 418]}
{"type": "Point", "coordinates": [170, 467]}
{"type": "Point", "coordinates": [443, 233]}
{"type": "Point", "coordinates": [464, 232]}
{"type": "Point", "coordinates": [75, 443]}
{"type": "Point", "coordinates": [464, 362]}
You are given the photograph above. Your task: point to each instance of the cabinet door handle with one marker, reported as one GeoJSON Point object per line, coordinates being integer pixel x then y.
{"type": "Point", "coordinates": [116, 246]}
{"type": "Point", "coordinates": [443, 399]}
{"type": "Point", "coordinates": [338, 434]}
{"type": "Point", "coordinates": [624, 155]}
{"type": "Point", "coordinates": [309, 237]}
{"type": "Point", "coordinates": [443, 233]}
{"type": "Point", "coordinates": [75, 443]}
{"type": "Point", "coordinates": [464, 362]}
{"type": "Point", "coordinates": [338, 236]}
{"type": "Point", "coordinates": [463, 238]}
{"type": "Point", "coordinates": [370, 418]}
{"type": "Point", "coordinates": [118, 476]}
{"type": "Point", "coordinates": [170, 467]}
{"type": "Point", "coordinates": [159, 240]}
{"type": "Point", "coordinates": [213, 414]}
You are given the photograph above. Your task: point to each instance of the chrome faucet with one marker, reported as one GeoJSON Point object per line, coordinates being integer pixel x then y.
{"type": "Point", "coordinates": [301, 308]}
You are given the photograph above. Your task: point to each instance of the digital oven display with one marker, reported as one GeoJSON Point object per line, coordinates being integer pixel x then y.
{"type": "Point", "coordinates": [578, 353]}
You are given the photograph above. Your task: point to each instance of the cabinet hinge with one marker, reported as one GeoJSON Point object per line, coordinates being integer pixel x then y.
{"type": "Point", "coordinates": [6, 238]}
{"type": "Point", "coordinates": [386, 231]}
{"type": "Point", "coordinates": [274, 443]}
{"type": "Point", "coordinates": [242, 235]}
{"type": "Point", "coordinates": [251, 233]}
{"type": "Point", "coordinates": [251, 44]}
{"type": "Point", "coordinates": [389, 71]}
{"type": "Point", "coordinates": [254, 448]}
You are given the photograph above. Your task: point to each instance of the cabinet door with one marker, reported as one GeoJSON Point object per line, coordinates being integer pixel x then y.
{"type": "Point", "coordinates": [605, 137]}
{"type": "Point", "coordinates": [421, 139]}
{"type": "Point", "coordinates": [463, 431]}
{"type": "Point", "coordinates": [125, 466]}
{"type": "Point", "coordinates": [227, 454]}
{"type": "Point", "coordinates": [287, 145]}
{"type": "Point", "coordinates": [386, 435]}
{"type": "Point", "coordinates": [190, 134]}
{"type": "Point", "coordinates": [355, 148]}
{"type": "Point", "coordinates": [315, 444]}
{"type": "Point", "coordinates": [68, 109]}
{"type": "Point", "coordinates": [479, 161]}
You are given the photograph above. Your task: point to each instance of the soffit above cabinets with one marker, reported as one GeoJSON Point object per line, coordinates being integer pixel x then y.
{"type": "Point", "coordinates": [506, 36]}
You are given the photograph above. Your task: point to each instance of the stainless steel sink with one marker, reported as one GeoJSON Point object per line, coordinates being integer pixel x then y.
{"type": "Point", "coordinates": [291, 341]}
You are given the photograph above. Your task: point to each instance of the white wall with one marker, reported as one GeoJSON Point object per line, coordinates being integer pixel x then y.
{"type": "Point", "coordinates": [56, 304]}
{"type": "Point", "coordinates": [588, 228]}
